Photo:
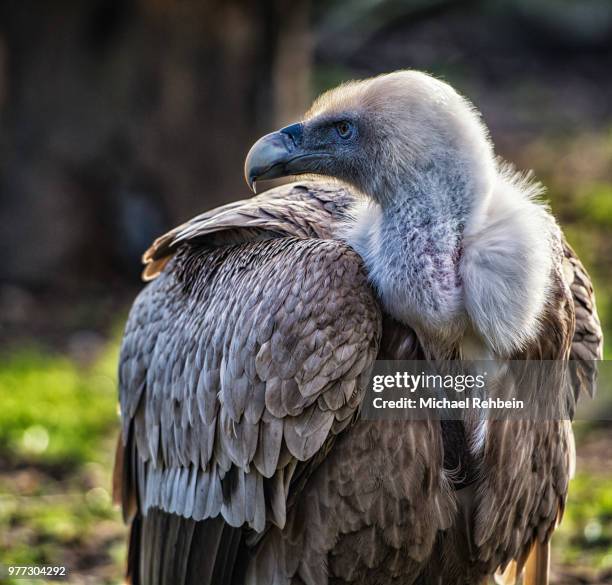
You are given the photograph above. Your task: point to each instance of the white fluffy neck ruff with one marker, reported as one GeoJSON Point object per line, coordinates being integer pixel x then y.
{"type": "Point", "coordinates": [457, 253]}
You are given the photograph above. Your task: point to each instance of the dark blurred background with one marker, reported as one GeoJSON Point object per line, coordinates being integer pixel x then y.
{"type": "Point", "coordinates": [121, 118]}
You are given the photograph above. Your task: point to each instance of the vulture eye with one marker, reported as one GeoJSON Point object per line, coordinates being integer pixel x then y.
{"type": "Point", "coordinates": [344, 129]}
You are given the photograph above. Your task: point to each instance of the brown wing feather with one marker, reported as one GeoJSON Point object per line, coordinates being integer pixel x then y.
{"type": "Point", "coordinates": [587, 342]}
{"type": "Point", "coordinates": [374, 507]}
{"type": "Point", "coordinates": [237, 362]}
{"type": "Point", "coordinates": [231, 352]}
{"type": "Point", "coordinates": [303, 210]}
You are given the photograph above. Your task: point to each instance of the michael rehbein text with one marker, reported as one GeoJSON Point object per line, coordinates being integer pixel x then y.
{"type": "Point", "coordinates": [459, 383]}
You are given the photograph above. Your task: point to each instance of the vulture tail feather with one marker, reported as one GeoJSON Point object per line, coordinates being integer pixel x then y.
{"type": "Point", "coordinates": [133, 565]}
{"type": "Point", "coordinates": [167, 549]}
{"type": "Point", "coordinates": [538, 564]}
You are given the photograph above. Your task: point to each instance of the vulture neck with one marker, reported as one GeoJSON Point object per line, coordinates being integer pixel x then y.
{"type": "Point", "coordinates": [413, 250]}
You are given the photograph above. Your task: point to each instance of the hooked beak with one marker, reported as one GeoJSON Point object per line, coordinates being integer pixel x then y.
{"type": "Point", "coordinates": [278, 154]}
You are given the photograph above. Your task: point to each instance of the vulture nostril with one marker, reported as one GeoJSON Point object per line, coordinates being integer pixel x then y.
{"type": "Point", "coordinates": [294, 131]}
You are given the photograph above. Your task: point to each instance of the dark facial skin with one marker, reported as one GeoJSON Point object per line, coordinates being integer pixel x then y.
{"type": "Point", "coordinates": [324, 145]}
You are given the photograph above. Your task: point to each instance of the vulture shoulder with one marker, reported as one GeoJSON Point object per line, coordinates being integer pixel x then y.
{"type": "Point", "coordinates": [303, 210]}
{"type": "Point", "coordinates": [244, 358]}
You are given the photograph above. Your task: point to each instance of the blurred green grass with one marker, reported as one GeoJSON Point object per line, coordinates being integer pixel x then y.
{"type": "Point", "coordinates": [58, 426]}
{"type": "Point", "coordinates": [584, 538]}
{"type": "Point", "coordinates": [54, 411]}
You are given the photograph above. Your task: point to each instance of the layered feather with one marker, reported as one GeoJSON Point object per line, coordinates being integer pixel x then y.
{"type": "Point", "coordinates": [242, 370]}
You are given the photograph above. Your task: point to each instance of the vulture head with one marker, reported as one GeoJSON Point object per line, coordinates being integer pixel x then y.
{"type": "Point", "coordinates": [450, 238]}
{"type": "Point", "coordinates": [389, 137]}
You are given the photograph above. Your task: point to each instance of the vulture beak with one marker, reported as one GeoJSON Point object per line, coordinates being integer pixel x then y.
{"type": "Point", "coordinates": [276, 155]}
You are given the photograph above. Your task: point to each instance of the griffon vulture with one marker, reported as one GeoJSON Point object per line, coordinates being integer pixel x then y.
{"type": "Point", "coordinates": [243, 458]}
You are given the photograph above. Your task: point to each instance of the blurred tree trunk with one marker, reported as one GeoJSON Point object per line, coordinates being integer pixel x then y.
{"type": "Point", "coordinates": [121, 118]}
